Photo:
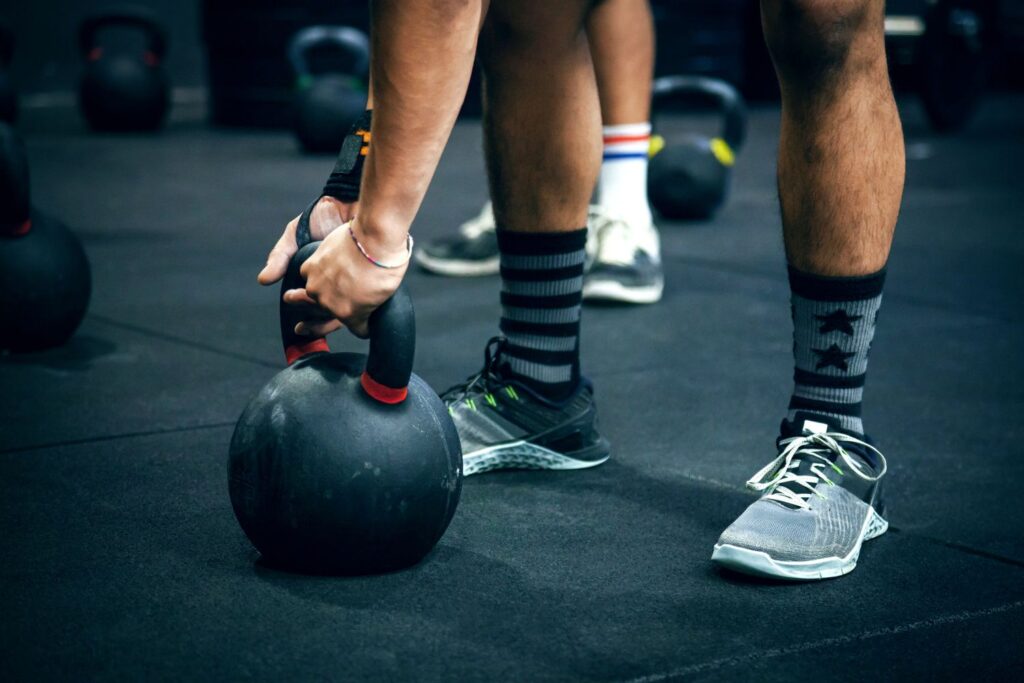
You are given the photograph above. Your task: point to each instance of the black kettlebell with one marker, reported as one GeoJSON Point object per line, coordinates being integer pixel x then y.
{"type": "Point", "coordinates": [8, 96]}
{"type": "Point", "coordinates": [343, 463]}
{"type": "Point", "coordinates": [121, 90]}
{"type": "Point", "coordinates": [328, 102]}
{"type": "Point", "coordinates": [689, 177]}
{"type": "Point", "coordinates": [44, 274]}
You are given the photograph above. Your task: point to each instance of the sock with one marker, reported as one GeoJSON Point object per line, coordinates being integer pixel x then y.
{"type": "Point", "coordinates": [833, 325]}
{"type": "Point", "coordinates": [541, 291]}
{"type": "Point", "coordinates": [622, 188]}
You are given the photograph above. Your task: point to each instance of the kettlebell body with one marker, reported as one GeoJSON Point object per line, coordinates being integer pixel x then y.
{"type": "Point", "coordinates": [44, 274]}
{"type": "Point", "coordinates": [324, 477]}
{"type": "Point", "coordinates": [688, 180]}
{"type": "Point", "coordinates": [45, 285]}
{"type": "Point", "coordinates": [689, 177]}
{"type": "Point", "coordinates": [123, 91]}
{"type": "Point", "coordinates": [344, 463]}
{"type": "Point", "coordinates": [327, 103]}
{"type": "Point", "coordinates": [325, 110]}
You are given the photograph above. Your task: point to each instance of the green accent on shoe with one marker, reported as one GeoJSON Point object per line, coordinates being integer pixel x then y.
{"type": "Point", "coordinates": [490, 399]}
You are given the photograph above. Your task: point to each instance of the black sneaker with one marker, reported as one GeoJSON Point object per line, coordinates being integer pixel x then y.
{"type": "Point", "coordinates": [470, 253]}
{"type": "Point", "coordinates": [504, 425]}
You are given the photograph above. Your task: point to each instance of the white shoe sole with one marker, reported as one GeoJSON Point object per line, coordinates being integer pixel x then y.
{"type": "Point", "coordinates": [490, 266]}
{"type": "Point", "coordinates": [758, 563]}
{"type": "Point", "coordinates": [610, 290]}
{"type": "Point", "coordinates": [522, 455]}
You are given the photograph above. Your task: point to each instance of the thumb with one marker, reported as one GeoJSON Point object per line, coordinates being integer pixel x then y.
{"type": "Point", "coordinates": [280, 256]}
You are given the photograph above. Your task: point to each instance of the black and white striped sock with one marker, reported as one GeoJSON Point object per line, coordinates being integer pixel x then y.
{"type": "Point", "coordinates": [833, 325]}
{"type": "Point", "coordinates": [541, 291]}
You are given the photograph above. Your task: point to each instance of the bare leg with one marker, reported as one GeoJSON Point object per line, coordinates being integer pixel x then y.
{"type": "Point", "coordinates": [542, 116]}
{"type": "Point", "coordinates": [621, 34]}
{"type": "Point", "coordinates": [841, 156]}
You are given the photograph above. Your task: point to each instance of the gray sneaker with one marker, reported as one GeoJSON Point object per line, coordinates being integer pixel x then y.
{"type": "Point", "coordinates": [821, 501]}
{"type": "Point", "coordinates": [626, 263]}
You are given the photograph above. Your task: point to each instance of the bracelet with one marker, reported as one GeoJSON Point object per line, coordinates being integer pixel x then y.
{"type": "Point", "coordinates": [362, 250]}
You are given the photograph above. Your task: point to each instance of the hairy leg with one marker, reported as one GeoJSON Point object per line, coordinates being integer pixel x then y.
{"type": "Point", "coordinates": [542, 116]}
{"type": "Point", "coordinates": [841, 155]}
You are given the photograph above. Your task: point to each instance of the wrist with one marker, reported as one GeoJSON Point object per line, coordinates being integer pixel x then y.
{"type": "Point", "coordinates": [385, 247]}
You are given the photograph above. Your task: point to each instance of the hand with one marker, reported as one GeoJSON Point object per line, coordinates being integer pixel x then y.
{"type": "Point", "coordinates": [342, 287]}
{"type": "Point", "coordinates": [327, 216]}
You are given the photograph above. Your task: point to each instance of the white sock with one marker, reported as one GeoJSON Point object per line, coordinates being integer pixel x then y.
{"type": "Point", "coordinates": [622, 187]}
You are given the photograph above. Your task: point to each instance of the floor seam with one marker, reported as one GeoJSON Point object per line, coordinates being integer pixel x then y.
{"type": "Point", "coordinates": [115, 437]}
{"type": "Point", "coordinates": [955, 618]}
{"type": "Point", "coordinates": [139, 329]}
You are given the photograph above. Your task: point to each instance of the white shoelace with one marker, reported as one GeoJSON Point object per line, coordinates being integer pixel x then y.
{"type": "Point", "coordinates": [615, 242]}
{"type": "Point", "coordinates": [812, 446]}
{"type": "Point", "coordinates": [483, 222]}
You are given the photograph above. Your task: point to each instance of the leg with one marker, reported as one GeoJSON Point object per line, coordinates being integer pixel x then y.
{"type": "Point", "coordinates": [531, 407]}
{"type": "Point", "coordinates": [625, 245]}
{"type": "Point", "coordinates": [840, 183]}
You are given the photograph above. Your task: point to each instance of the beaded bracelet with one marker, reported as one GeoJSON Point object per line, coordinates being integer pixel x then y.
{"type": "Point", "coordinates": [362, 250]}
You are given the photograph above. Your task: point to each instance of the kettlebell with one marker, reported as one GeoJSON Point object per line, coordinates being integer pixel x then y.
{"type": "Point", "coordinates": [345, 463]}
{"type": "Point", "coordinates": [119, 90]}
{"type": "Point", "coordinates": [44, 274]}
{"type": "Point", "coordinates": [689, 177]}
{"type": "Point", "coordinates": [8, 97]}
{"type": "Point", "coordinates": [327, 103]}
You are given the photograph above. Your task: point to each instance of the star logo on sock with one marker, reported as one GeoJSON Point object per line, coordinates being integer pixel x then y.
{"type": "Point", "coordinates": [833, 356]}
{"type": "Point", "coordinates": [838, 320]}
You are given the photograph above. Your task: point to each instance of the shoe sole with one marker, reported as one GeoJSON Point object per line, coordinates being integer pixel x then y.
{"type": "Point", "coordinates": [490, 266]}
{"type": "Point", "coordinates": [610, 290]}
{"type": "Point", "coordinates": [524, 455]}
{"type": "Point", "coordinates": [758, 563]}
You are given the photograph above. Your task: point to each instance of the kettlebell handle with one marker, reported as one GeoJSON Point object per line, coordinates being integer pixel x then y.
{"type": "Point", "coordinates": [156, 39]}
{"type": "Point", "coordinates": [351, 40]}
{"type": "Point", "coordinates": [392, 330]}
{"type": "Point", "coordinates": [706, 90]}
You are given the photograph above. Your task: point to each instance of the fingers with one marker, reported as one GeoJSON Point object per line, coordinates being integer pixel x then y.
{"type": "Point", "coordinates": [299, 297]}
{"type": "Point", "coordinates": [311, 328]}
{"type": "Point", "coordinates": [280, 256]}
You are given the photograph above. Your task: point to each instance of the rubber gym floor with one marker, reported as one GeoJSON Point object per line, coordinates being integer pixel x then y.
{"type": "Point", "coordinates": [121, 559]}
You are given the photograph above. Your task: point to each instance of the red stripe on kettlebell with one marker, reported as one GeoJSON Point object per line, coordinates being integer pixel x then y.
{"type": "Point", "coordinates": [150, 58]}
{"type": "Point", "coordinates": [382, 393]}
{"type": "Point", "coordinates": [22, 229]}
{"type": "Point", "coordinates": [297, 351]}
{"type": "Point", "coordinates": [95, 53]}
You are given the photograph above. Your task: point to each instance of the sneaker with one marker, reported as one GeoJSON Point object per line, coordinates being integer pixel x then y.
{"type": "Point", "coordinates": [472, 252]}
{"type": "Point", "coordinates": [821, 501]}
{"type": "Point", "coordinates": [505, 425]}
{"type": "Point", "coordinates": [626, 266]}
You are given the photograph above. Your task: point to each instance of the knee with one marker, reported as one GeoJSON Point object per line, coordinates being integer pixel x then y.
{"type": "Point", "coordinates": [535, 33]}
{"type": "Point", "coordinates": [812, 38]}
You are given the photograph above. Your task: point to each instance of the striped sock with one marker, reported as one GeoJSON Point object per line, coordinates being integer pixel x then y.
{"type": "Point", "coordinates": [541, 291]}
{"type": "Point", "coordinates": [622, 188]}
{"type": "Point", "coordinates": [833, 325]}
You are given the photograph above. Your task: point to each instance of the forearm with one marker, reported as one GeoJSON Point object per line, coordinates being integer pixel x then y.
{"type": "Point", "coordinates": [422, 58]}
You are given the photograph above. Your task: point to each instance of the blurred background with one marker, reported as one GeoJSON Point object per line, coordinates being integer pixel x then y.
{"type": "Point", "coordinates": [226, 59]}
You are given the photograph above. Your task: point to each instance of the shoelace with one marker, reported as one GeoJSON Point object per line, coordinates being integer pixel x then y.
{"type": "Point", "coordinates": [615, 242]}
{"type": "Point", "coordinates": [483, 381]}
{"type": "Point", "coordinates": [817, 446]}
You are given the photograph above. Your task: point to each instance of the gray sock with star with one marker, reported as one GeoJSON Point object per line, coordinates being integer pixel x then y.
{"type": "Point", "coordinates": [833, 325]}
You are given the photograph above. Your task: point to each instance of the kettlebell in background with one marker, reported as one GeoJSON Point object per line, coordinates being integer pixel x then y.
{"type": "Point", "coordinates": [345, 463]}
{"type": "Point", "coordinates": [123, 90]}
{"type": "Point", "coordinates": [44, 274]}
{"type": "Point", "coordinates": [328, 101]}
{"type": "Point", "coordinates": [8, 96]}
{"type": "Point", "coordinates": [689, 177]}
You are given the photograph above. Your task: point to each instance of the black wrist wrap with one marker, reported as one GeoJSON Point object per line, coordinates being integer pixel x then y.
{"type": "Point", "coordinates": [343, 183]}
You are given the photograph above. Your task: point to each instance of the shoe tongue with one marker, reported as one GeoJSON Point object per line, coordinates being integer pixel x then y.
{"type": "Point", "coordinates": [809, 423]}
